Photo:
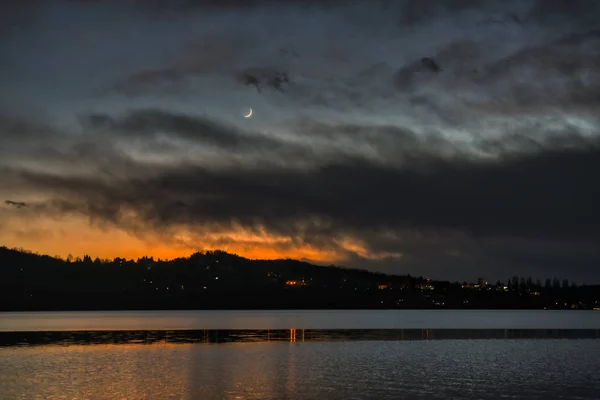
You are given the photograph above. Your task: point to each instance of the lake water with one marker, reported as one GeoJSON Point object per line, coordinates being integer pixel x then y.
{"type": "Point", "coordinates": [321, 319]}
{"type": "Point", "coordinates": [445, 369]}
{"type": "Point", "coordinates": [300, 355]}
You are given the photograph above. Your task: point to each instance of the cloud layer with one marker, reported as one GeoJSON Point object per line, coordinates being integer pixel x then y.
{"type": "Point", "coordinates": [447, 138]}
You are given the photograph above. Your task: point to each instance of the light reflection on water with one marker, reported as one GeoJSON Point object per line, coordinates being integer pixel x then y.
{"type": "Point", "coordinates": [432, 369]}
{"type": "Point", "coordinates": [271, 335]}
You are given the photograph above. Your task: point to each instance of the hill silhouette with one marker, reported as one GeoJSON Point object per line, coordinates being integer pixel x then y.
{"type": "Point", "coordinates": [219, 280]}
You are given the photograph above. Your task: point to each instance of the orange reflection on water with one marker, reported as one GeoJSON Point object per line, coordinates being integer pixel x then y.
{"type": "Point", "coordinates": [159, 371]}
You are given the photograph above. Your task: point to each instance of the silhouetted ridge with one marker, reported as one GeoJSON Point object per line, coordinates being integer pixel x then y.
{"type": "Point", "coordinates": [219, 280]}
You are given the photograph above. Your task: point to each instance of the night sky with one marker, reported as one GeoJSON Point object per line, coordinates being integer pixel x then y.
{"type": "Point", "coordinates": [454, 139]}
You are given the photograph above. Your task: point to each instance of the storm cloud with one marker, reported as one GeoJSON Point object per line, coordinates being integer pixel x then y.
{"type": "Point", "coordinates": [545, 194]}
{"type": "Point", "coordinates": [454, 138]}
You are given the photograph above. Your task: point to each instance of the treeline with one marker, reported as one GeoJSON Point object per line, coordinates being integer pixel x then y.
{"type": "Point", "coordinates": [219, 280]}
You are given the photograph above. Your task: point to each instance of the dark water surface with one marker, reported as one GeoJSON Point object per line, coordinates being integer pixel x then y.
{"type": "Point", "coordinates": [314, 319]}
{"type": "Point", "coordinates": [300, 355]}
{"type": "Point", "coordinates": [417, 369]}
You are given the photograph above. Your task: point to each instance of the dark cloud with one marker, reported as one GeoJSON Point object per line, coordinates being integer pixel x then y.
{"type": "Point", "coordinates": [431, 64]}
{"type": "Point", "coordinates": [560, 74]}
{"type": "Point", "coordinates": [18, 204]}
{"type": "Point", "coordinates": [401, 146]}
{"type": "Point", "coordinates": [261, 77]}
{"type": "Point", "coordinates": [14, 127]}
{"type": "Point", "coordinates": [529, 71]}
{"type": "Point", "coordinates": [573, 10]}
{"type": "Point", "coordinates": [546, 194]}
{"type": "Point", "coordinates": [322, 142]}
{"type": "Point", "coordinates": [162, 6]}
{"type": "Point", "coordinates": [148, 123]}
{"type": "Point", "coordinates": [416, 11]}
{"type": "Point", "coordinates": [566, 71]}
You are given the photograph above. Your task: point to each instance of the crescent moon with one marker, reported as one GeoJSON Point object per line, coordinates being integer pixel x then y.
{"type": "Point", "coordinates": [249, 113]}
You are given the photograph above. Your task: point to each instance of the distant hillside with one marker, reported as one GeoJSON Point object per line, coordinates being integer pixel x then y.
{"type": "Point", "coordinates": [214, 270]}
{"type": "Point", "coordinates": [218, 280]}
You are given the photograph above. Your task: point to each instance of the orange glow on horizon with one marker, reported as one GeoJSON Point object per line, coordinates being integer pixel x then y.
{"type": "Point", "coordinates": [77, 237]}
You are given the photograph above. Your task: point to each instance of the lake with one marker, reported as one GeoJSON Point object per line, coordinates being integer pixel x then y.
{"type": "Point", "coordinates": [189, 355]}
{"type": "Point", "coordinates": [319, 319]}
{"type": "Point", "coordinates": [451, 369]}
